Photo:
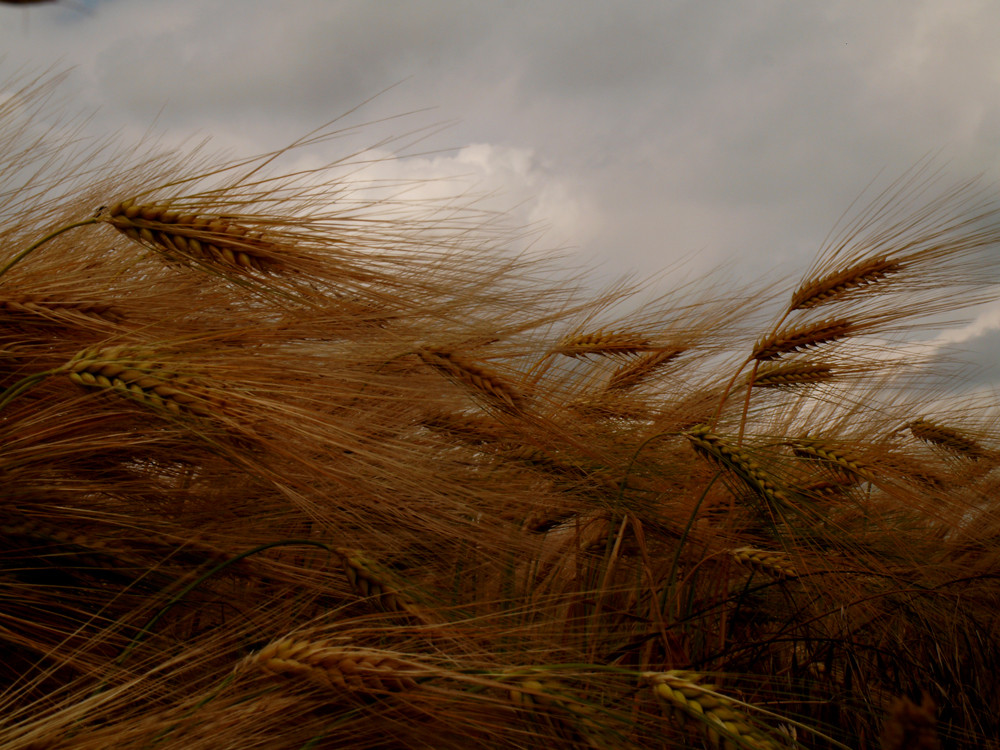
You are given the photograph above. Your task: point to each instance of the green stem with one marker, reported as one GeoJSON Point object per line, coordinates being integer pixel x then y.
{"type": "Point", "coordinates": [21, 386]}
{"type": "Point", "coordinates": [35, 245]}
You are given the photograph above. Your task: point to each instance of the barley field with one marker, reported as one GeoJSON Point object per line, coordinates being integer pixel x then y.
{"type": "Point", "coordinates": [292, 462]}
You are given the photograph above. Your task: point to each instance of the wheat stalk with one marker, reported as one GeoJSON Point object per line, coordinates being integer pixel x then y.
{"type": "Point", "coordinates": [483, 382]}
{"type": "Point", "coordinates": [634, 373]}
{"type": "Point", "coordinates": [703, 710]}
{"type": "Point", "coordinates": [800, 337]}
{"type": "Point", "coordinates": [337, 668]}
{"type": "Point", "coordinates": [603, 343]}
{"type": "Point", "coordinates": [145, 380]}
{"type": "Point", "coordinates": [183, 237]}
{"type": "Point", "coordinates": [791, 374]}
{"type": "Point", "coordinates": [839, 284]}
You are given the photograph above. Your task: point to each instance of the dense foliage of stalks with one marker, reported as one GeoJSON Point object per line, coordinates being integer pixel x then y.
{"type": "Point", "coordinates": [289, 464]}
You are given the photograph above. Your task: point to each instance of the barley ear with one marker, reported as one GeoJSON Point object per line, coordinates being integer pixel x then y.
{"type": "Point", "coordinates": [732, 457]}
{"type": "Point", "coordinates": [481, 382]}
{"type": "Point", "coordinates": [839, 284]}
{"type": "Point", "coordinates": [770, 563]}
{"type": "Point", "coordinates": [801, 337]}
{"type": "Point", "coordinates": [188, 237]}
{"type": "Point", "coordinates": [948, 438]}
{"type": "Point", "coordinates": [704, 711]}
{"type": "Point", "coordinates": [340, 669]}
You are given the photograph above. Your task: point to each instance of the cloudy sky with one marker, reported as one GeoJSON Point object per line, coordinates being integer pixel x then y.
{"type": "Point", "coordinates": [641, 132]}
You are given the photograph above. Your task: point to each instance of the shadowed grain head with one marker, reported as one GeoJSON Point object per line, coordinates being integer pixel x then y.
{"type": "Point", "coordinates": [642, 369]}
{"type": "Point", "coordinates": [948, 438]}
{"type": "Point", "coordinates": [480, 381]}
{"type": "Point", "coordinates": [340, 669]}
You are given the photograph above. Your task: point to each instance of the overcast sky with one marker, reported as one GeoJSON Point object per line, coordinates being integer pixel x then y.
{"type": "Point", "coordinates": [640, 131]}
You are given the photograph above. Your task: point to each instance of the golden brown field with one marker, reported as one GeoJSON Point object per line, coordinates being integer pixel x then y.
{"type": "Point", "coordinates": [289, 462]}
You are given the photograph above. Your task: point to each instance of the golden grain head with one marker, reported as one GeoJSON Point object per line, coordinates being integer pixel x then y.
{"type": "Point", "coordinates": [792, 374]}
{"type": "Point", "coordinates": [773, 564]}
{"type": "Point", "coordinates": [485, 384]}
{"type": "Point", "coordinates": [948, 438]}
{"type": "Point", "coordinates": [839, 284]}
{"type": "Point", "coordinates": [144, 379]}
{"type": "Point", "coordinates": [603, 343]}
{"type": "Point", "coordinates": [737, 460]}
{"type": "Point", "coordinates": [700, 709]}
{"type": "Point", "coordinates": [804, 336]}
{"type": "Point", "coordinates": [341, 669]}
{"type": "Point", "coordinates": [189, 237]}
{"type": "Point", "coordinates": [642, 369]}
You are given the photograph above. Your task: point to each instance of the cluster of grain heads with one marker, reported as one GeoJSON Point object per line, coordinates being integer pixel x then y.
{"type": "Point", "coordinates": [336, 476]}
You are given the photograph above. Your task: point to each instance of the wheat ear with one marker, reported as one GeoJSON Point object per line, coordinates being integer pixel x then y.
{"type": "Point", "coordinates": [113, 369]}
{"type": "Point", "coordinates": [481, 381]}
{"type": "Point", "coordinates": [792, 374]}
{"type": "Point", "coordinates": [185, 237]}
{"type": "Point", "coordinates": [732, 457]}
{"type": "Point", "coordinates": [701, 709]}
{"type": "Point", "coordinates": [32, 306]}
{"type": "Point", "coordinates": [531, 694]}
{"type": "Point", "coordinates": [337, 668]}
{"type": "Point", "coordinates": [800, 337]}
{"type": "Point", "coordinates": [839, 284]}
{"type": "Point", "coordinates": [771, 563]}
{"type": "Point", "coordinates": [464, 427]}
{"type": "Point", "coordinates": [366, 580]}
{"type": "Point", "coordinates": [832, 457]}
{"type": "Point", "coordinates": [637, 372]}
{"type": "Point", "coordinates": [603, 343]}
{"type": "Point", "coordinates": [948, 438]}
